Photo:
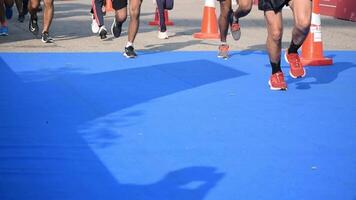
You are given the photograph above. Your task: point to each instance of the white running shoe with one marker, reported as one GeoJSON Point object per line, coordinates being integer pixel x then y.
{"type": "Point", "coordinates": [162, 35]}
{"type": "Point", "coordinates": [94, 25]}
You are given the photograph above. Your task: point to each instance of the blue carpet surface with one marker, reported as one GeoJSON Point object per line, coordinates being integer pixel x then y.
{"type": "Point", "coordinates": [174, 126]}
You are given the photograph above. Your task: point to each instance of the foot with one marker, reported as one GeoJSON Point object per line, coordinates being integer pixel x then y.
{"type": "Point", "coordinates": [33, 25]}
{"type": "Point", "coordinates": [21, 18]}
{"type": "Point", "coordinates": [234, 27]}
{"type": "Point", "coordinates": [46, 38]}
{"type": "Point", "coordinates": [162, 35]}
{"type": "Point", "coordinates": [296, 67]}
{"type": "Point", "coordinates": [102, 32]}
{"type": "Point", "coordinates": [116, 29]}
{"type": "Point", "coordinates": [276, 81]}
{"type": "Point", "coordinates": [94, 25]}
{"type": "Point", "coordinates": [4, 31]}
{"type": "Point", "coordinates": [130, 52]}
{"type": "Point", "coordinates": [223, 51]}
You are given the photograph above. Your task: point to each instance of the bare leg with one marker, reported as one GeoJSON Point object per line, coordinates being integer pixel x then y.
{"type": "Point", "coordinates": [135, 8]}
{"type": "Point", "coordinates": [275, 32]}
{"type": "Point", "coordinates": [225, 9]}
{"type": "Point", "coordinates": [121, 15]}
{"type": "Point", "coordinates": [302, 16]}
{"type": "Point", "coordinates": [47, 15]}
{"type": "Point", "coordinates": [32, 8]}
{"type": "Point", "coordinates": [244, 8]}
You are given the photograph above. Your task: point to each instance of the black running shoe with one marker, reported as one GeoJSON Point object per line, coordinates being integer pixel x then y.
{"type": "Point", "coordinates": [33, 26]}
{"type": "Point", "coordinates": [116, 29]}
{"type": "Point", "coordinates": [130, 52]}
{"type": "Point", "coordinates": [102, 32]}
{"type": "Point", "coordinates": [21, 18]}
{"type": "Point", "coordinates": [46, 38]}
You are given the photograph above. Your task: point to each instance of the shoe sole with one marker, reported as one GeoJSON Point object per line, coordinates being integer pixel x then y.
{"type": "Point", "coordinates": [48, 41]}
{"type": "Point", "coordinates": [112, 29]}
{"type": "Point", "coordinates": [290, 72]}
{"type": "Point", "coordinates": [34, 31]}
{"type": "Point", "coordinates": [223, 57]}
{"type": "Point", "coordinates": [103, 34]}
{"type": "Point", "coordinates": [274, 88]}
{"type": "Point", "coordinates": [236, 36]}
{"type": "Point", "coordinates": [127, 56]}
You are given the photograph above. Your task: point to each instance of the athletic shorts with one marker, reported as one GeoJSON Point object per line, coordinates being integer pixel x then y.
{"type": "Point", "coordinates": [275, 5]}
{"type": "Point", "coordinates": [119, 4]}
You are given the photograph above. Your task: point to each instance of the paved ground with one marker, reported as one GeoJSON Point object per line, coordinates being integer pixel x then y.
{"type": "Point", "coordinates": [72, 32]}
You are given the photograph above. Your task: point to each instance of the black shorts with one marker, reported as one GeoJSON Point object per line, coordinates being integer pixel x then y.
{"type": "Point", "coordinates": [275, 5]}
{"type": "Point", "coordinates": [119, 4]}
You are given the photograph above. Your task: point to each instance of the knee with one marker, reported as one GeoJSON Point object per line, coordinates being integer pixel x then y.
{"type": "Point", "coordinates": [48, 4]}
{"type": "Point", "coordinates": [303, 24]}
{"type": "Point", "coordinates": [134, 13]}
{"type": "Point", "coordinates": [245, 7]}
{"type": "Point", "coordinates": [33, 5]}
{"type": "Point", "coordinates": [276, 35]}
{"type": "Point", "coordinates": [121, 17]}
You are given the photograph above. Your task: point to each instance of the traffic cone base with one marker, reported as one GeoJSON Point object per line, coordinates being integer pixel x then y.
{"type": "Point", "coordinates": [201, 35]}
{"type": "Point", "coordinates": [316, 62]}
{"type": "Point", "coordinates": [312, 48]}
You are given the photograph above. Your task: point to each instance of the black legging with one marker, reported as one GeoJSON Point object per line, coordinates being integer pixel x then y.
{"type": "Point", "coordinates": [97, 11]}
{"type": "Point", "coordinates": [162, 21]}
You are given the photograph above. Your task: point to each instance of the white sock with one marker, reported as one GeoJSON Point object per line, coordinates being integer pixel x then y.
{"type": "Point", "coordinates": [129, 44]}
{"type": "Point", "coordinates": [223, 43]}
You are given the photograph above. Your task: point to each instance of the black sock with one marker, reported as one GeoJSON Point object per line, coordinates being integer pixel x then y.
{"type": "Point", "coordinates": [276, 67]}
{"type": "Point", "coordinates": [293, 48]}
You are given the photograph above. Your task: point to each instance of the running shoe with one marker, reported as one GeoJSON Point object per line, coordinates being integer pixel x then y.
{"type": "Point", "coordinates": [4, 31]}
{"type": "Point", "coordinates": [46, 38]}
{"type": "Point", "coordinates": [94, 25]}
{"type": "Point", "coordinates": [116, 29]}
{"type": "Point", "coordinates": [296, 67]}
{"type": "Point", "coordinates": [21, 18]}
{"type": "Point", "coordinates": [8, 12]}
{"type": "Point", "coordinates": [276, 81]}
{"type": "Point", "coordinates": [130, 52]}
{"type": "Point", "coordinates": [234, 27]}
{"type": "Point", "coordinates": [102, 32]}
{"type": "Point", "coordinates": [223, 51]}
{"type": "Point", "coordinates": [162, 35]}
{"type": "Point", "coordinates": [33, 25]}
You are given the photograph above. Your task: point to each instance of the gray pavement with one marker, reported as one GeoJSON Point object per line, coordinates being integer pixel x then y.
{"type": "Point", "coordinates": [71, 31]}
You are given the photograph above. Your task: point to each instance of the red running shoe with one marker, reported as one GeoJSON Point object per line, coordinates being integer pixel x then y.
{"type": "Point", "coordinates": [296, 67]}
{"type": "Point", "coordinates": [223, 51]}
{"type": "Point", "coordinates": [276, 81]}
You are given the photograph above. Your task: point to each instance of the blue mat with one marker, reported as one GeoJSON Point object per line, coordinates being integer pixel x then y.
{"type": "Point", "coordinates": [174, 126]}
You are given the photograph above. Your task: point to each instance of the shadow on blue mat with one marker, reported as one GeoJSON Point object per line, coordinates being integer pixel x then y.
{"type": "Point", "coordinates": [321, 74]}
{"type": "Point", "coordinates": [44, 157]}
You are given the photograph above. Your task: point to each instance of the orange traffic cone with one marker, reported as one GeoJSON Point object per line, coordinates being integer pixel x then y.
{"type": "Point", "coordinates": [155, 22]}
{"type": "Point", "coordinates": [312, 49]}
{"type": "Point", "coordinates": [108, 6]}
{"type": "Point", "coordinates": [209, 25]}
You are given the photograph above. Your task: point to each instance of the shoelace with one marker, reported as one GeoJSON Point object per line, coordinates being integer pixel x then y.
{"type": "Point", "coordinates": [279, 77]}
{"type": "Point", "coordinates": [223, 47]}
{"type": "Point", "coordinates": [296, 61]}
{"type": "Point", "coordinates": [235, 26]}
